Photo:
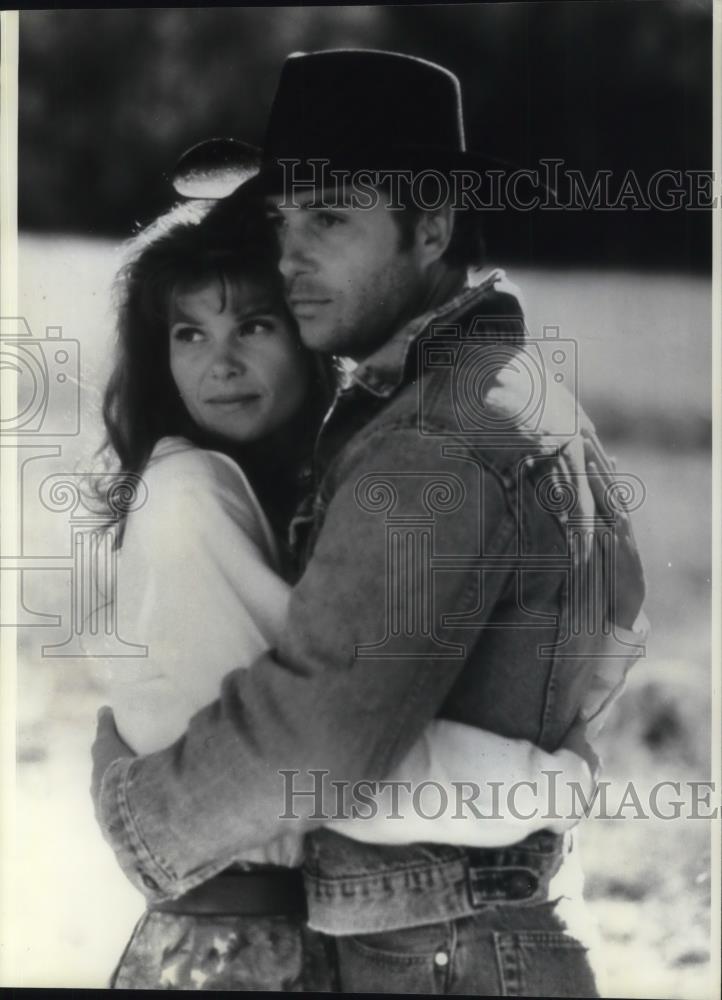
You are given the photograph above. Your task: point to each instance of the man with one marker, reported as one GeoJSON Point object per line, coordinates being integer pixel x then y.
{"type": "Point", "coordinates": [456, 526]}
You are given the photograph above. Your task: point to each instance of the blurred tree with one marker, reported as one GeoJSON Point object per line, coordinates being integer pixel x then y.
{"type": "Point", "coordinates": [109, 99]}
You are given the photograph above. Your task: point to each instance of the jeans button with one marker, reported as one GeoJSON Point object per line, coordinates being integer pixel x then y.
{"type": "Point", "coordinates": [441, 959]}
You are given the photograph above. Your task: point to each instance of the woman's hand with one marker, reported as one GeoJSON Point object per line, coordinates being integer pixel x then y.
{"type": "Point", "coordinates": [577, 740]}
{"type": "Point", "coordinates": [581, 765]}
{"type": "Point", "coordinates": [107, 747]}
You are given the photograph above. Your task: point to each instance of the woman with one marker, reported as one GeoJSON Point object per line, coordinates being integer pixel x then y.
{"type": "Point", "coordinates": [216, 403]}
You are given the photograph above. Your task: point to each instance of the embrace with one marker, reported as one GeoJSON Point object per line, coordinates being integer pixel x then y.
{"type": "Point", "coordinates": [364, 560]}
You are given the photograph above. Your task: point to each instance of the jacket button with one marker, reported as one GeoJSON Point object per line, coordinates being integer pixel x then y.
{"type": "Point", "coordinates": [149, 883]}
{"type": "Point", "coordinates": [441, 959]}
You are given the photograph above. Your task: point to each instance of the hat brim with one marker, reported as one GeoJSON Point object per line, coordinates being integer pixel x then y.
{"type": "Point", "coordinates": [217, 168]}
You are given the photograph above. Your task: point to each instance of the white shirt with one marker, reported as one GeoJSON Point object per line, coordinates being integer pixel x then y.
{"type": "Point", "coordinates": [199, 585]}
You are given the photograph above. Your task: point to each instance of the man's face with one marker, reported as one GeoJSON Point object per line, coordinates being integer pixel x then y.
{"type": "Point", "coordinates": [348, 284]}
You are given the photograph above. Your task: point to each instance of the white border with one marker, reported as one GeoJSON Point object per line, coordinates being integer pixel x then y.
{"type": "Point", "coordinates": [8, 477]}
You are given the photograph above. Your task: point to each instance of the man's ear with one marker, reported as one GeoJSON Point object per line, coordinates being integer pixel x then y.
{"type": "Point", "coordinates": [434, 230]}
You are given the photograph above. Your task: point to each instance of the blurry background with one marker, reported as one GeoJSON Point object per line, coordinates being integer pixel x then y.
{"type": "Point", "coordinates": [109, 99]}
{"type": "Point", "coordinates": [609, 85]}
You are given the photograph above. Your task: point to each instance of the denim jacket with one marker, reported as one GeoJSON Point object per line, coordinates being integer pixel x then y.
{"type": "Point", "coordinates": [459, 562]}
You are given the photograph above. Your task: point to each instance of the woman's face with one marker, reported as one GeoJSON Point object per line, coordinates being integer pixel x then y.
{"type": "Point", "coordinates": [236, 359]}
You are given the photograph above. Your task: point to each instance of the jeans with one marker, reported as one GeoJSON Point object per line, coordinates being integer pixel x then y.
{"type": "Point", "coordinates": [503, 951]}
{"type": "Point", "coordinates": [190, 952]}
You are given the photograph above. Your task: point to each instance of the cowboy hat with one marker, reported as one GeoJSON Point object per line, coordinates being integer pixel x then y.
{"type": "Point", "coordinates": [352, 109]}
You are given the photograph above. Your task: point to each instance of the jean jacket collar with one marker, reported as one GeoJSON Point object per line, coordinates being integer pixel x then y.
{"type": "Point", "coordinates": [382, 372]}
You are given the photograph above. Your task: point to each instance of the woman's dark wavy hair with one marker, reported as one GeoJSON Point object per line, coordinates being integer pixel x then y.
{"type": "Point", "coordinates": [195, 243]}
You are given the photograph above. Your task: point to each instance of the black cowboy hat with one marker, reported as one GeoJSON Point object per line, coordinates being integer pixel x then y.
{"type": "Point", "coordinates": [355, 109]}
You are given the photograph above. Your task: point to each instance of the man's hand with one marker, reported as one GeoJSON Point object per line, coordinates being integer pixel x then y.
{"type": "Point", "coordinates": [107, 747]}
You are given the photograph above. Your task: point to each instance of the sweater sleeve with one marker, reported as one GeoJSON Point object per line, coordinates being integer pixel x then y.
{"type": "Point", "coordinates": [197, 589]}
{"type": "Point", "coordinates": [462, 785]}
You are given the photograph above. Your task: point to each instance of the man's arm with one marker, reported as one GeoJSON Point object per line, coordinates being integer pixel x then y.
{"type": "Point", "coordinates": [176, 817]}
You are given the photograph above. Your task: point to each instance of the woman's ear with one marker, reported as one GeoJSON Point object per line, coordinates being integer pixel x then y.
{"type": "Point", "coordinates": [434, 230]}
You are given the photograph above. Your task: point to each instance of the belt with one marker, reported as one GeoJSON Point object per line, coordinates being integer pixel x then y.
{"type": "Point", "coordinates": [272, 892]}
